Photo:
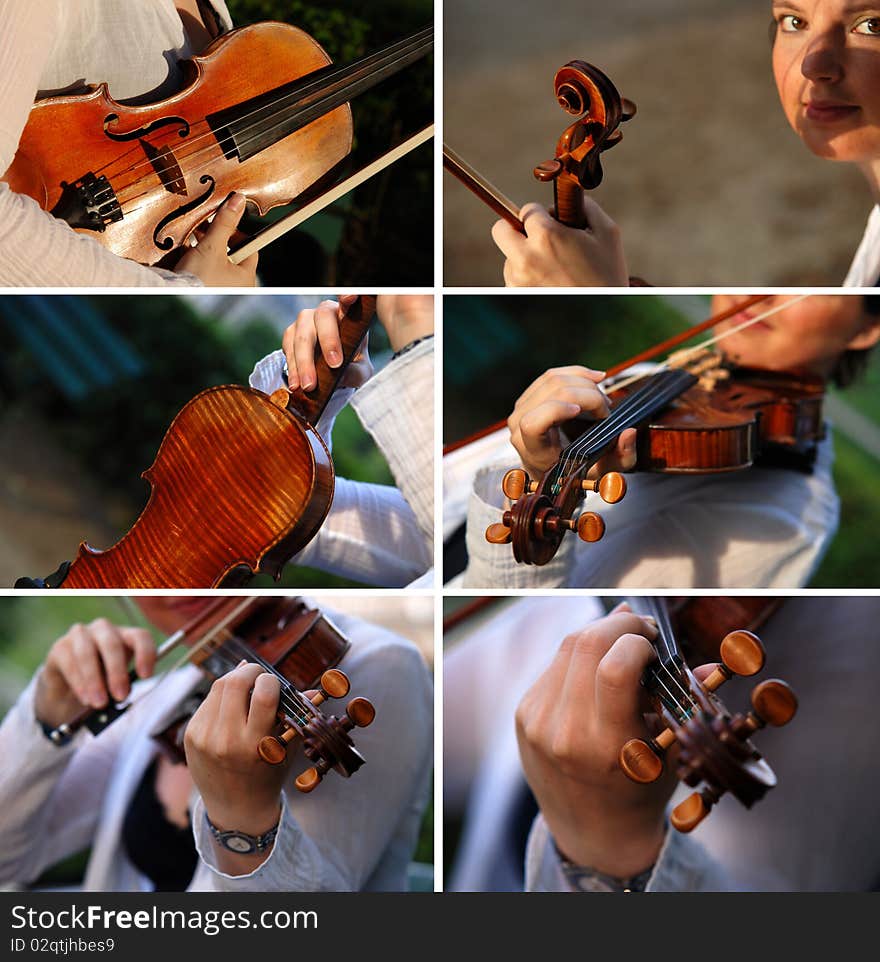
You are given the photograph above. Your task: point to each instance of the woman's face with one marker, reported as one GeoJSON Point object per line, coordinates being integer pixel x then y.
{"type": "Point", "coordinates": [826, 61]}
{"type": "Point", "coordinates": [171, 612]}
{"type": "Point", "coordinates": [806, 337]}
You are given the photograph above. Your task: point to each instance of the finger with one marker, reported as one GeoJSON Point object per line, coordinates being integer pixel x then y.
{"type": "Point", "coordinates": [263, 709]}
{"type": "Point", "coordinates": [64, 662]}
{"type": "Point", "coordinates": [557, 378]}
{"type": "Point", "coordinates": [327, 317]}
{"type": "Point", "coordinates": [88, 675]}
{"type": "Point", "coordinates": [598, 221]}
{"type": "Point", "coordinates": [618, 677]}
{"type": "Point", "coordinates": [225, 222]}
{"type": "Point", "coordinates": [287, 342]}
{"type": "Point", "coordinates": [703, 672]}
{"type": "Point", "coordinates": [140, 643]}
{"type": "Point", "coordinates": [305, 336]}
{"type": "Point", "coordinates": [251, 263]}
{"type": "Point", "coordinates": [626, 449]}
{"type": "Point", "coordinates": [588, 398]}
{"type": "Point", "coordinates": [237, 687]}
{"type": "Point", "coordinates": [536, 218]}
{"type": "Point", "coordinates": [507, 239]}
{"type": "Point", "coordinates": [114, 657]}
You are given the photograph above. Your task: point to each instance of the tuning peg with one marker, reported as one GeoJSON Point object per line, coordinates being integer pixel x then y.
{"type": "Point", "coordinates": [548, 170]}
{"type": "Point", "coordinates": [686, 816]}
{"type": "Point", "coordinates": [498, 534]}
{"type": "Point", "coordinates": [611, 487]}
{"type": "Point", "coordinates": [643, 761]}
{"type": "Point", "coordinates": [590, 527]}
{"type": "Point", "coordinates": [516, 482]}
{"type": "Point", "coordinates": [311, 777]}
{"type": "Point", "coordinates": [334, 684]}
{"type": "Point", "coordinates": [741, 654]}
{"type": "Point", "coordinates": [773, 703]}
{"type": "Point", "coordinates": [359, 713]}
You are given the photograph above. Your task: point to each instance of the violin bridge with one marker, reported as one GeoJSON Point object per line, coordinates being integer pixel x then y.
{"type": "Point", "coordinates": [167, 168]}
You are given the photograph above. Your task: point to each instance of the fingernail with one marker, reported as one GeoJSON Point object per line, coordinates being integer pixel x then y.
{"type": "Point", "coordinates": [241, 664]}
{"type": "Point", "coordinates": [96, 699]}
{"type": "Point", "coordinates": [236, 202]}
{"type": "Point", "coordinates": [307, 383]}
{"type": "Point", "coordinates": [334, 358]}
{"type": "Point", "coordinates": [623, 606]}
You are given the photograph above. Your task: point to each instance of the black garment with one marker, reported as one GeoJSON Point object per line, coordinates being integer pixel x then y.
{"type": "Point", "coordinates": [165, 853]}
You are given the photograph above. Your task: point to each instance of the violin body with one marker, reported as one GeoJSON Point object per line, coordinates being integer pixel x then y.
{"type": "Point", "coordinates": [140, 179]}
{"type": "Point", "coordinates": [238, 486]}
{"type": "Point", "coordinates": [726, 428]}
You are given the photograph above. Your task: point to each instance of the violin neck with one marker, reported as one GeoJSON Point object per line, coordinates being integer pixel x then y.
{"type": "Point", "coordinates": [665, 679]}
{"type": "Point", "coordinates": [353, 328]}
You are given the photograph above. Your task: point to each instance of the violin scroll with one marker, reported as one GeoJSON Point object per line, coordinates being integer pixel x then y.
{"type": "Point", "coordinates": [325, 738]}
{"type": "Point", "coordinates": [714, 748]}
{"type": "Point", "coordinates": [582, 89]}
{"type": "Point", "coordinates": [536, 523]}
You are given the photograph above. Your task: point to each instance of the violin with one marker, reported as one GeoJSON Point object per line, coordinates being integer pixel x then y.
{"type": "Point", "coordinates": [694, 416]}
{"type": "Point", "coordinates": [298, 645]}
{"type": "Point", "coordinates": [585, 92]}
{"type": "Point", "coordinates": [242, 481]}
{"type": "Point", "coordinates": [715, 753]}
{"type": "Point", "coordinates": [262, 112]}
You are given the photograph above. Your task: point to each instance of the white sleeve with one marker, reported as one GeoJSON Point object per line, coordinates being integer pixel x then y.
{"type": "Point", "coordinates": [36, 250]}
{"type": "Point", "coordinates": [50, 796]}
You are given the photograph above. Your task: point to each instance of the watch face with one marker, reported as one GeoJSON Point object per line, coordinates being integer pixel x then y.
{"type": "Point", "coordinates": [239, 843]}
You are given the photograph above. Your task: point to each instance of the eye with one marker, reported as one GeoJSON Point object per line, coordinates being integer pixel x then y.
{"type": "Point", "coordinates": [789, 23]}
{"type": "Point", "coordinates": [869, 26]}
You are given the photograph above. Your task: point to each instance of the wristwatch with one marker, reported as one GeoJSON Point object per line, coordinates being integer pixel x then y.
{"type": "Point", "coordinates": [240, 842]}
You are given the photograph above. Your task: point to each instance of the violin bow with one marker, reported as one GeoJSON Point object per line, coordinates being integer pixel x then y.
{"type": "Point", "coordinates": [297, 217]}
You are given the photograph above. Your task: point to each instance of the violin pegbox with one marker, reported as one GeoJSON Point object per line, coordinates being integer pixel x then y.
{"type": "Point", "coordinates": [535, 524]}
{"type": "Point", "coordinates": [326, 739]}
{"type": "Point", "coordinates": [715, 750]}
{"type": "Point", "coordinates": [586, 92]}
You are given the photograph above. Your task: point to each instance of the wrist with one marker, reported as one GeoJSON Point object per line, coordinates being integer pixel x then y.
{"type": "Point", "coordinates": [404, 332]}
{"type": "Point", "coordinates": [251, 820]}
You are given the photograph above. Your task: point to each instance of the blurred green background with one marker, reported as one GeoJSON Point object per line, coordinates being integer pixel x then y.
{"type": "Point", "coordinates": [382, 232]}
{"type": "Point", "coordinates": [88, 387]}
{"type": "Point", "coordinates": [495, 346]}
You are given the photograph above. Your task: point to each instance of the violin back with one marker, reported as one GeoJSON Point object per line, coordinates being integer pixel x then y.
{"type": "Point", "coordinates": [238, 486]}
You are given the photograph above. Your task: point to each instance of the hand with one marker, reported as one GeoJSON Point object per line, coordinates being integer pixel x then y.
{"type": "Point", "coordinates": [240, 791]}
{"type": "Point", "coordinates": [570, 727]}
{"type": "Point", "coordinates": [405, 317]}
{"type": "Point", "coordinates": [209, 259]}
{"type": "Point", "coordinates": [557, 396]}
{"type": "Point", "coordinates": [320, 325]}
{"type": "Point", "coordinates": [88, 666]}
{"type": "Point", "coordinates": [553, 255]}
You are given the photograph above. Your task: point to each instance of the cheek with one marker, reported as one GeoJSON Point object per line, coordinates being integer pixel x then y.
{"type": "Point", "coordinates": [789, 79]}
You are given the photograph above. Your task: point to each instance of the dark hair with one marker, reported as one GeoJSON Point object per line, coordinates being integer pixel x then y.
{"type": "Point", "coordinates": [851, 365]}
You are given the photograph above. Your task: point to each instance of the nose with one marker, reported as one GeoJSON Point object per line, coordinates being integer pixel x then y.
{"type": "Point", "coordinates": [824, 58]}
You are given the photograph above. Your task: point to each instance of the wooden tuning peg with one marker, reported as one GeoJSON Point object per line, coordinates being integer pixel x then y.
{"type": "Point", "coordinates": [498, 533]}
{"type": "Point", "coordinates": [686, 816]}
{"type": "Point", "coordinates": [741, 654]}
{"type": "Point", "coordinates": [611, 487]}
{"type": "Point", "coordinates": [590, 527]}
{"type": "Point", "coordinates": [643, 761]}
{"type": "Point", "coordinates": [773, 703]}
{"type": "Point", "coordinates": [516, 483]}
{"type": "Point", "coordinates": [359, 713]}
{"type": "Point", "coordinates": [334, 684]}
{"type": "Point", "coordinates": [311, 778]}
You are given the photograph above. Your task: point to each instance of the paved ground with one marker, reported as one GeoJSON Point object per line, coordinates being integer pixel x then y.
{"type": "Point", "coordinates": [709, 185]}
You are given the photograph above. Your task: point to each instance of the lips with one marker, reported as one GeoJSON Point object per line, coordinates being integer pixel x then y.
{"type": "Point", "coordinates": [829, 111]}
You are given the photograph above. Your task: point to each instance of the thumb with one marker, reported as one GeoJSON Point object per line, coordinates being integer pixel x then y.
{"type": "Point", "coordinates": [226, 220]}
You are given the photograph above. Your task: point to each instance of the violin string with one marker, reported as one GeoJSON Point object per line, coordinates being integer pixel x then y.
{"type": "Point", "coordinates": [291, 697]}
{"type": "Point", "coordinates": [392, 59]}
{"type": "Point", "coordinates": [387, 53]}
{"type": "Point", "coordinates": [659, 391]}
{"type": "Point", "coordinates": [703, 345]}
{"type": "Point", "coordinates": [684, 700]}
